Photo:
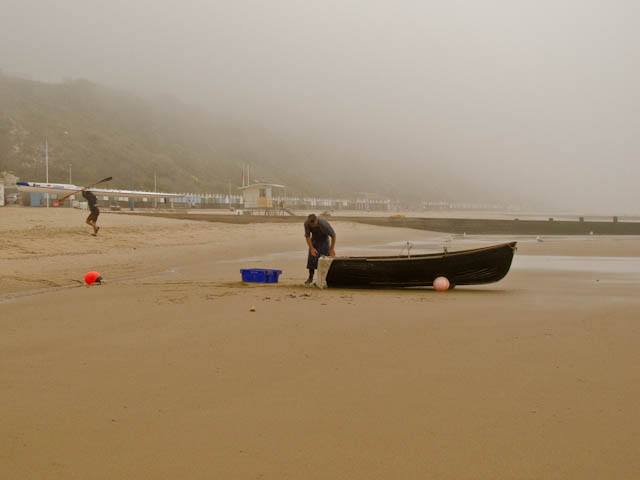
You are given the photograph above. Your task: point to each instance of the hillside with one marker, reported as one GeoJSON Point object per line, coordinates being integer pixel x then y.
{"type": "Point", "coordinates": [103, 132]}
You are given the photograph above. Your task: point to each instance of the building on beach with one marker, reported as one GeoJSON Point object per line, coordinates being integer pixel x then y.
{"type": "Point", "coordinates": [258, 198]}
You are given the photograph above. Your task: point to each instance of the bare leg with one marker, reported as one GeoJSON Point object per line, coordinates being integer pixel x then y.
{"type": "Point", "coordinates": [90, 222]}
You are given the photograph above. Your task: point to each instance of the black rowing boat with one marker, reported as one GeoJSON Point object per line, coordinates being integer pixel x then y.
{"type": "Point", "coordinates": [467, 267]}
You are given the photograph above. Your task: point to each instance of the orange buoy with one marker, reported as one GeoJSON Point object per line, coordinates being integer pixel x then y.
{"type": "Point", "coordinates": [441, 284]}
{"type": "Point", "coordinates": [92, 277]}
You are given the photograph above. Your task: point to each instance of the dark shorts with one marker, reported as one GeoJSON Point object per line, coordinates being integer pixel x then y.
{"type": "Point", "coordinates": [323, 251]}
{"type": "Point", "coordinates": [93, 216]}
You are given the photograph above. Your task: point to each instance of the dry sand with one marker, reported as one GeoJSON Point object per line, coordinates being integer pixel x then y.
{"type": "Point", "coordinates": [163, 372]}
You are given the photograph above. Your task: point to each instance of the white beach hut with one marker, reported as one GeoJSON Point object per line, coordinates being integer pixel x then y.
{"type": "Point", "coordinates": [259, 196]}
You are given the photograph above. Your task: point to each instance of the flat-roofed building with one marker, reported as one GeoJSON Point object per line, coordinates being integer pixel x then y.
{"type": "Point", "coordinates": [259, 197]}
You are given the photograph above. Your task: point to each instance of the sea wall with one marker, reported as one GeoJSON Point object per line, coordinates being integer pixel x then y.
{"type": "Point", "coordinates": [448, 225]}
{"type": "Point", "coordinates": [507, 227]}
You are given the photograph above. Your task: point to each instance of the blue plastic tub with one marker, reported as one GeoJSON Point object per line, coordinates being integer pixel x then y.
{"type": "Point", "coordinates": [260, 275]}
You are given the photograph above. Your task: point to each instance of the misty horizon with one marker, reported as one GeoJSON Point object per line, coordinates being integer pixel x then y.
{"type": "Point", "coordinates": [518, 102]}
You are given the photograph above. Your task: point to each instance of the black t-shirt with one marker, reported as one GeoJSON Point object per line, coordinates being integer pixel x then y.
{"type": "Point", "coordinates": [91, 199]}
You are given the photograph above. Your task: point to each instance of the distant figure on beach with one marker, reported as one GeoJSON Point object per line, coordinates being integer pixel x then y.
{"type": "Point", "coordinates": [317, 232]}
{"type": "Point", "coordinates": [92, 219]}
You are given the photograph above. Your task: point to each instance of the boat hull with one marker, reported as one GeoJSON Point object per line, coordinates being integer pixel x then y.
{"type": "Point", "coordinates": [468, 267]}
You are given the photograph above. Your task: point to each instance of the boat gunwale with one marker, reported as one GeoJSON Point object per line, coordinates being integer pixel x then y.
{"type": "Point", "coordinates": [429, 256]}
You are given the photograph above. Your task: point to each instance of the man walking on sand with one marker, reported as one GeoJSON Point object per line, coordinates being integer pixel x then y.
{"type": "Point", "coordinates": [317, 232]}
{"type": "Point", "coordinates": [92, 219]}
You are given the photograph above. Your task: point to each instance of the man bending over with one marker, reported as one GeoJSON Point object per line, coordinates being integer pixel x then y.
{"type": "Point", "coordinates": [317, 232]}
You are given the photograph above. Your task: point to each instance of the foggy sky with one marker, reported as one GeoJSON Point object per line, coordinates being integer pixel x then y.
{"type": "Point", "coordinates": [531, 102]}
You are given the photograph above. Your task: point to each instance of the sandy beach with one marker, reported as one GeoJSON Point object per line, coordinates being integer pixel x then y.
{"type": "Point", "coordinates": [164, 372]}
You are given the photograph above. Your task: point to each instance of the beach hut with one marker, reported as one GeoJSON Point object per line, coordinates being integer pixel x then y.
{"type": "Point", "coordinates": [258, 197]}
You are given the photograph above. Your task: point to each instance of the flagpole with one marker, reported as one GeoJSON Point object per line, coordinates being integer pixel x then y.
{"type": "Point", "coordinates": [46, 160]}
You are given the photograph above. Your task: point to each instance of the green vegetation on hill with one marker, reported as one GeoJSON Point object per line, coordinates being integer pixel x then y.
{"type": "Point", "coordinates": [103, 132]}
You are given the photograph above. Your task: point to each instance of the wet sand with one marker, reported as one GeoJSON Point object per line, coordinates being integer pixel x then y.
{"type": "Point", "coordinates": [163, 372]}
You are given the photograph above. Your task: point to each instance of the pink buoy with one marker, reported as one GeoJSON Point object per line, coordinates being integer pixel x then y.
{"type": "Point", "coordinates": [441, 284]}
{"type": "Point", "coordinates": [92, 277]}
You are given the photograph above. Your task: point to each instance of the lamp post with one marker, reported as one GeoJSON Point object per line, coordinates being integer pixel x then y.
{"type": "Point", "coordinates": [69, 173]}
{"type": "Point", "coordinates": [46, 162]}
